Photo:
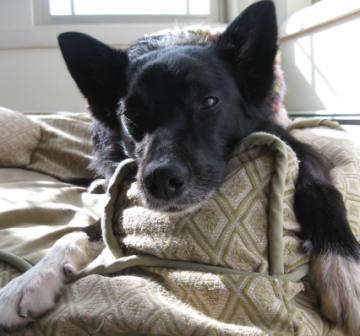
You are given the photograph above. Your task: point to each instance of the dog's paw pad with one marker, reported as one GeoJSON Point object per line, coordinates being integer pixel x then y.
{"type": "Point", "coordinates": [69, 272]}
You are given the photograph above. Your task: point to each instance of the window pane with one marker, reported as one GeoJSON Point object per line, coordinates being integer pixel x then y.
{"type": "Point", "coordinates": [130, 7]}
{"type": "Point", "coordinates": [60, 7]}
{"type": "Point", "coordinates": [199, 7]}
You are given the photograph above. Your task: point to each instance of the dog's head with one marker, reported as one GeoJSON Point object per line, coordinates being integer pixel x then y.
{"type": "Point", "coordinates": [178, 110]}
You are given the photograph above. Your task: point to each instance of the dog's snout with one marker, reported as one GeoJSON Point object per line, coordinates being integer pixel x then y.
{"type": "Point", "coordinates": [165, 180]}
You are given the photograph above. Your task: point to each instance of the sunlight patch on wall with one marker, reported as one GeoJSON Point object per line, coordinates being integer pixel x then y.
{"type": "Point", "coordinates": [302, 57]}
{"type": "Point", "coordinates": [322, 68]}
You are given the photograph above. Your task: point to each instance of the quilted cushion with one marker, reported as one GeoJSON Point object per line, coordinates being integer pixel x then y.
{"type": "Point", "coordinates": [19, 137]}
{"type": "Point", "coordinates": [57, 144]}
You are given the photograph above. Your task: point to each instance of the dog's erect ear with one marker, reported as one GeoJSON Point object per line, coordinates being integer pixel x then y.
{"type": "Point", "coordinates": [248, 46]}
{"type": "Point", "coordinates": [98, 70]}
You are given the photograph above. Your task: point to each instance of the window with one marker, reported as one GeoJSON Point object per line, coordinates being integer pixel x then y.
{"type": "Point", "coordinates": [110, 11]}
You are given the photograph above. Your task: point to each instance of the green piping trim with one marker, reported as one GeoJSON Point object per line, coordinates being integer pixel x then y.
{"type": "Point", "coordinates": [111, 241]}
{"type": "Point", "coordinates": [275, 220]}
{"type": "Point", "coordinates": [124, 263]}
{"type": "Point", "coordinates": [17, 262]}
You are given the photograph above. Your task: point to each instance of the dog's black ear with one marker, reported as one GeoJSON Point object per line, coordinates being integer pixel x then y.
{"type": "Point", "coordinates": [248, 46]}
{"type": "Point", "coordinates": [98, 70]}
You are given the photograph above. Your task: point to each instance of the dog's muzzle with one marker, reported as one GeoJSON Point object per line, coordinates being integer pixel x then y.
{"type": "Point", "coordinates": [166, 179]}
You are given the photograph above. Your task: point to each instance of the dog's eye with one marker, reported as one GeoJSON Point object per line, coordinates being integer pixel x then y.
{"type": "Point", "coordinates": [131, 114]}
{"type": "Point", "coordinates": [209, 102]}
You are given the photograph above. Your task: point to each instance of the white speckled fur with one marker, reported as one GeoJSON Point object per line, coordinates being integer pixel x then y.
{"type": "Point", "coordinates": [337, 279]}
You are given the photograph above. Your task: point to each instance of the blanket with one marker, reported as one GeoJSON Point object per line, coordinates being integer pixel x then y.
{"type": "Point", "coordinates": [233, 267]}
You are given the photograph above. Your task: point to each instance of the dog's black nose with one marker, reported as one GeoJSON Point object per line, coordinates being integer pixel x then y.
{"type": "Point", "coordinates": [165, 180]}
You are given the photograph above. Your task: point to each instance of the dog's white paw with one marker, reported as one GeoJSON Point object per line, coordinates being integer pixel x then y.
{"type": "Point", "coordinates": [337, 279]}
{"type": "Point", "coordinates": [34, 293]}
{"type": "Point", "coordinates": [29, 296]}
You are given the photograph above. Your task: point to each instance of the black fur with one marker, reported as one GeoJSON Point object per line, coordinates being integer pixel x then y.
{"type": "Point", "coordinates": [179, 105]}
{"type": "Point", "coordinates": [318, 205]}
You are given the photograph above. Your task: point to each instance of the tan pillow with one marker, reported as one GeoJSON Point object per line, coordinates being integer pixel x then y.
{"type": "Point", "coordinates": [65, 147]}
{"type": "Point", "coordinates": [19, 136]}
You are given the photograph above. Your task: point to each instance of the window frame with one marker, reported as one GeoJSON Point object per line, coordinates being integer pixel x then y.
{"type": "Point", "coordinates": [42, 16]}
{"type": "Point", "coordinates": [352, 119]}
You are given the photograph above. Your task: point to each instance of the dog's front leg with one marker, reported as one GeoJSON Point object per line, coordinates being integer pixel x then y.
{"type": "Point", "coordinates": [335, 252]}
{"type": "Point", "coordinates": [34, 293]}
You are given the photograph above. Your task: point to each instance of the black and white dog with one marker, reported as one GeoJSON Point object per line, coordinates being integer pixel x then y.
{"type": "Point", "coordinates": [179, 109]}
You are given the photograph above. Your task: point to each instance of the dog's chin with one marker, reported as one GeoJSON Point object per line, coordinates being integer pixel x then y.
{"type": "Point", "coordinates": [180, 205]}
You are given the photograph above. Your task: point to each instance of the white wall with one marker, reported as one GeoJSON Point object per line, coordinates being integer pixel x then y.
{"type": "Point", "coordinates": [33, 76]}
{"type": "Point", "coordinates": [37, 80]}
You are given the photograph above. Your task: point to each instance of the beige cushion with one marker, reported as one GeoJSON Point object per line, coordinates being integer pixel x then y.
{"type": "Point", "coordinates": [172, 301]}
{"type": "Point", "coordinates": [57, 144]}
{"type": "Point", "coordinates": [19, 137]}
{"type": "Point", "coordinates": [65, 147]}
